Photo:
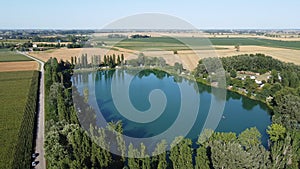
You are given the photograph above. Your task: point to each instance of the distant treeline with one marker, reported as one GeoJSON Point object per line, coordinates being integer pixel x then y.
{"type": "Point", "coordinates": [28, 34]}
{"type": "Point", "coordinates": [7, 45]}
{"type": "Point", "coordinates": [116, 36]}
{"type": "Point", "coordinates": [68, 38]}
{"type": "Point", "coordinates": [139, 36]}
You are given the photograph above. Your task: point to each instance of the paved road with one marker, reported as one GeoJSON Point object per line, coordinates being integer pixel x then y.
{"type": "Point", "coordinates": [39, 142]}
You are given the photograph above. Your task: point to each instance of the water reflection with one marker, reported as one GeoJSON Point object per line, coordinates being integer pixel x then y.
{"type": "Point", "coordinates": [240, 112]}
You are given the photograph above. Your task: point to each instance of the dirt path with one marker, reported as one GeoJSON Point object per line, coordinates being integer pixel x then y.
{"type": "Point", "coordinates": [40, 132]}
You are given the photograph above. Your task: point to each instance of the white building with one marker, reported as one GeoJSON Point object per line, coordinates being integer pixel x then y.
{"type": "Point", "coordinates": [258, 82]}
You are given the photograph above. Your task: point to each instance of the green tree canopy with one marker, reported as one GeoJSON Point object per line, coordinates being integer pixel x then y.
{"type": "Point", "coordinates": [276, 132]}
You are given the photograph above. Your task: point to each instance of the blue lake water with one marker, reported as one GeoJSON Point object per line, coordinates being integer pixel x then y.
{"type": "Point", "coordinates": [239, 111]}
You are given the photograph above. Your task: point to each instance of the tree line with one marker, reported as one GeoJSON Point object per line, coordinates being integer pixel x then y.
{"type": "Point", "coordinates": [143, 60]}
{"type": "Point", "coordinates": [110, 61]}
{"type": "Point", "coordinates": [4, 45]}
{"type": "Point", "coordinates": [68, 38]}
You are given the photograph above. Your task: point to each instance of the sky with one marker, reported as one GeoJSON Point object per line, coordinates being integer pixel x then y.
{"type": "Point", "coordinates": [202, 14]}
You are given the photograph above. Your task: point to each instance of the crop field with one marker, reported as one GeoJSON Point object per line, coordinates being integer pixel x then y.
{"type": "Point", "coordinates": [189, 58]}
{"type": "Point", "coordinates": [157, 43]}
{"type": "Point", "coordinates": [256, 42]}
{"type": "Point", "coordinates": [169, 43]}
{"type": "Point", "coordinates": [9, 56]}
{"type": "Point", "coordinates": [282, 37]}
{"type": "Point", "coordinates": [18, 101]}
{"type": "Point", "coordinates": [18, 66]}
{"type": "Point", "coordinates": [183, 43]}
{"type": "Point", "coordinates": [190, 50]}
{"type": "Point", "coordinates": [66, 54]}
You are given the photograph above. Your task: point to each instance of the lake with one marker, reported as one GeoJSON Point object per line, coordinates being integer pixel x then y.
{"type": "Point", "coordinates": [239, 112]}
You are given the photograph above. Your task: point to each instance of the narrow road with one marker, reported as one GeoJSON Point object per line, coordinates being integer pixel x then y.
{"type": "Point", "coordinates": [39, 142]}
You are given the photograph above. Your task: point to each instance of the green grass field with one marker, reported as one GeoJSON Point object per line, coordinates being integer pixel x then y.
{"type": "Point", "coordinates": [256, 41]}
{"type": "Point", "coordinates": [14, 89]}
{"type": "Point", "coordinates": [168, 43]}
{"type": "Point", "coordinates": [9, 56]}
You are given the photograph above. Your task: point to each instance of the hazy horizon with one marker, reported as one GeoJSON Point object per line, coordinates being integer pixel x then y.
{"type": "Point", "coordinates": [94, 14]}
{"type": "Point", "coordinates": [99, 29]}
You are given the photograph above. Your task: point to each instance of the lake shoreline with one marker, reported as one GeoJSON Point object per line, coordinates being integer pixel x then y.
{"type": "Point", "coordinates": [189, 77]}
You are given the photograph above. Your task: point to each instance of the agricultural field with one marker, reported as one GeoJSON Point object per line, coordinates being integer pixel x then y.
{"type": "Point", "coordinates": [9, 56]}
{"type": "Point", "coordinates": [198, 34]}
{"type": "Point", "coordinates": [66, 54]}
{"type": "Point", "coordinates": [256, 42]}
{"type": "Point", "coordinates": [16, 117]}
{"type": "Point", "coordinates": [285, 55]}
{"type": "Point", "coordinates": [195, 39]}
{"type": "Point", "coordinates": [283, 37]}
{"type": "Point", "coordinates": [191, 58]}
{"type": "Point", "coordinates": [189, 49]}
{"type": "Point", "coordinates": [169, 43]}
{"type": "Point", "coordinates": [18, 66]}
